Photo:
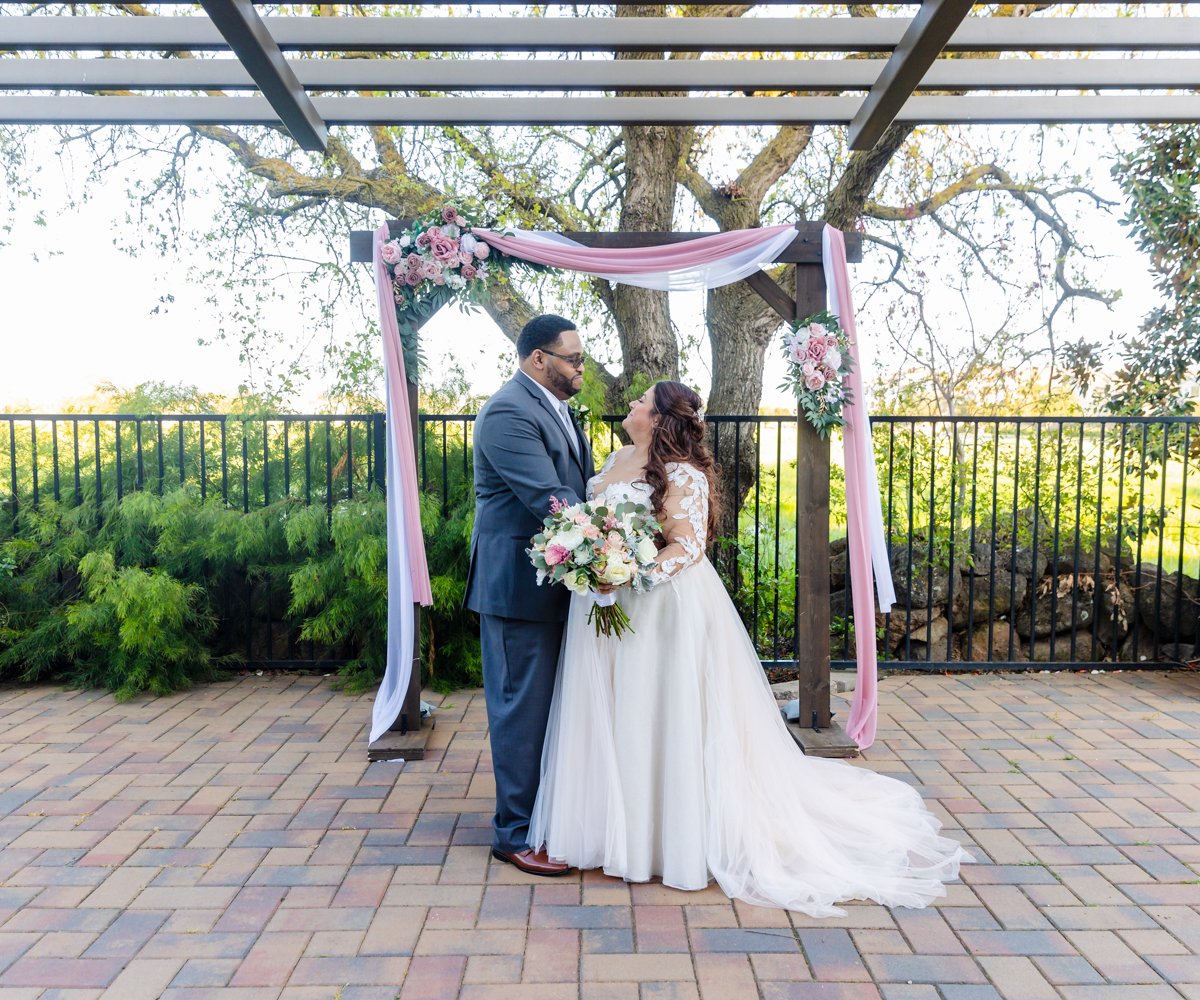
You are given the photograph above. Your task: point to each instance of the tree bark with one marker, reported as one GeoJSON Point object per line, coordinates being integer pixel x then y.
{"type": "Point", "coordinates": [643, 316]}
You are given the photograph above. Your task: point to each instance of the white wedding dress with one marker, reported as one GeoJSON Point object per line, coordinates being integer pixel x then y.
{"type": "Point", "coordinates": [666, 755]}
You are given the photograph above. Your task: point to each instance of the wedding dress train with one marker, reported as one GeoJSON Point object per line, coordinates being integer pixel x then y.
{"type": "Point", "coordinates": [666, 755]}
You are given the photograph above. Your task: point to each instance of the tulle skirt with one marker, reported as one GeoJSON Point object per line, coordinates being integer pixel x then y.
{"type": "Point", "coordinates": [666, 756]}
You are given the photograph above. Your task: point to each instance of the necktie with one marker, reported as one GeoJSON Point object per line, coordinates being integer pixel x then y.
{"type": "Point", "coordinates": [565, 413]}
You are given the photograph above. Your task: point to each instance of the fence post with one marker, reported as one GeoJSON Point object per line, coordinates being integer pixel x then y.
{"type": "Point", "coordinates": [379, 447]}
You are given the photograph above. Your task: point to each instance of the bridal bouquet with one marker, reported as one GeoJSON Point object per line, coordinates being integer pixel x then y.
{"type": "Point", "coordinates": [583, 546]}
{"type": "Point", "coordinates": [818, 360]}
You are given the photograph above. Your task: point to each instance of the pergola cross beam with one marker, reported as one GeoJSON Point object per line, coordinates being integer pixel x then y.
{"type": "Point", "coordinates": [922, 43]}
{"type": "Point", "coordinates": [242, 27]}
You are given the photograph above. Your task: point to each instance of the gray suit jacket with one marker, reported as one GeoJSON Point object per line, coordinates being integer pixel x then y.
{"type": "Point", "coordinates": [522, 459]}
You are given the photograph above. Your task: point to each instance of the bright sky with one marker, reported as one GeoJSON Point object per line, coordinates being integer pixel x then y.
{"type": "Point", "coordinates": [108, 331]}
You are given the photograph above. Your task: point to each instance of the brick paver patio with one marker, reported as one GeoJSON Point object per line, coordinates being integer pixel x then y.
{"type": "Point", "coordinates": [233, 842]}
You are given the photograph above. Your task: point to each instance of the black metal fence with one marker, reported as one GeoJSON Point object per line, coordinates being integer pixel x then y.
{"type": "Point", "coordinates": [1015, 542]}
{"type": "Point", "coordinates": [249, 461]}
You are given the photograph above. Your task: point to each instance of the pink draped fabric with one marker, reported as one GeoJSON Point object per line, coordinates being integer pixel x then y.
{"type": "Point", "coordinates": [632, 260]}
{"type": "Point", "coordinates": [407, 570]}
{"type": "Point", "coordinates": [858, 453]}
{"type": "Point", "coordinates": [400, 429]}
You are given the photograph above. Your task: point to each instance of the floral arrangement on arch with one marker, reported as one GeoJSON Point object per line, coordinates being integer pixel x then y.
{"type": "Point", "coordinates": [817, 351]}
{"type": "Point", "coordinates": [434, 261]}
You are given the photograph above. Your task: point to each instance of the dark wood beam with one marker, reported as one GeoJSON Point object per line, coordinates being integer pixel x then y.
{"type": "Point", "coordinates": [804, 249]}
{"type": "Point", "coordinates": [922, 43]}
{"type": "Point", "coordinates": [242, 27]}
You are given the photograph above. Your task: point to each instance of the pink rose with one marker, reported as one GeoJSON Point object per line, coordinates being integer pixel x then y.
{"type": "Point", "coordinates": [591, 532]}
{"type": "Point", "coordinates": [610, 522]}
{"type": "Point", "coordinates": [391, 253]}
{"type": "Point", "coordinates": [816, 349]}
{"type": "Point", "coordinates": [423, 239]}
{"type": "Point", "coordinates": [450, 215]}
{"type": "Point", "coordinates": [797, 353]}
{"type": "Point", "coordinates": [398, 292]}
{"type": "Point", "coordinates": [440, 279]}
{"type": "Point", "coordinates": [580, 518]}
{"type": "Point", "coordinates": [469, 272]}
{"type": "Point", "coordinates": [556, 554]}
{"type": "Point", "coordinates": [814, 381]}
{"type": "Point", "coordinates": [465, 256]}
{"type": "Point", "coordinates": [459, 221]}
{"type": "Point", "coordinates": [413, 277]}
{"type": "Point", "coordinates": [481, 251]}
{"type": "Point", "coordinates": [829, 373]}
{"type": "Point", "coordinates": [413, 261]}
{"type": "Point", "coordinates": [615, 541]}
{"type": "Point", "coordinates": [444, 249]}
{"type": "Point", "coordinates": [434, 231]}
{"type": "Point", "coordinates": [430, 270]}
{"type": "Point", "coordinates": [808, 368]}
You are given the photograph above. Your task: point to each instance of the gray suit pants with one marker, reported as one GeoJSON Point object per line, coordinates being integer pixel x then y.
{"type": "Point", "coordinates": [520, 662]}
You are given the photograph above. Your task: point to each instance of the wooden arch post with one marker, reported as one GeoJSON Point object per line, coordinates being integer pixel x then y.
{"type": "Point", "coordinates": [815, 731]}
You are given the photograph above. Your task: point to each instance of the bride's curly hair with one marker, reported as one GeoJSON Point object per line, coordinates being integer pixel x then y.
{"type": "Point", "coordinates": [678, 436]}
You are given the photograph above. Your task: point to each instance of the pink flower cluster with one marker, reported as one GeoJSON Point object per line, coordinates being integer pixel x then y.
{"type": "Point", "coordinates": [437, 251]}
{"type": "Point", "coordinates": [815, 349]}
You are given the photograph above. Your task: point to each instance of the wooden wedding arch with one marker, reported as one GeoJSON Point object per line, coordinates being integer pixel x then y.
{"type": "Point", "coordinates": [816, 731]}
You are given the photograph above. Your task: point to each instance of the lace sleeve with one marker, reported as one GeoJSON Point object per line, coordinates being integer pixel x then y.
{"type": "Point", "coordinates": [684, 521]}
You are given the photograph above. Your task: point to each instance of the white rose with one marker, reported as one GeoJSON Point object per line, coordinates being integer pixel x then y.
{"type": "Point", "coordinates": [646, 550]}
{"type": "Point", "coordinates": [468, 243]}
{"type": "Point", "coordinates": [576, 582]}
{"type": "Point", "coordinates": [405, 239]}
{"type": "Point", "coordinates": [572, 538]}
{"type": "Point", "coordinates": [833, 358]}
{"type": "Point", "coordinates": [618, 572]}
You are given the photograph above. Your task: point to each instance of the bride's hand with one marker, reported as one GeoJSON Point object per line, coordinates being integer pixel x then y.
{"type": "Point", "coordinates": [605, 588]}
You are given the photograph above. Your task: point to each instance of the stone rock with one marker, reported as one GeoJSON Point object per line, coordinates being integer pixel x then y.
{"type": "Point", "coordinates": [903, 620]}
{"type": "Point", "coordinates": [1087, 556]}
{"type": "Point", "coordinates": [1002, 650]}
{"type": "Point", "coordinates": [921, 652]}
{"type": "Point", "coordinates": [916, 585]}
{"type": "Point", "coordinates": [930, 633]}
{"type": "Point", "coordinates": [1180, 652]}
{"type": "Point", "coordinates": [839, 569]}
{"type": "Point", "coordinates": [1117, 608]}
{"type": "Point", "coordinates": [1146, 651]}
{"type": "Point", "coordinates": [1057, 605]}
{"type": "Point", "coordinates": [988, 597]}
{"type": "Point", "coordinates": [1085, 650]}
{"type": "Point", "coordinates": [1018, 558]}
{"type": "Point", "coordinates": [1166, 603]}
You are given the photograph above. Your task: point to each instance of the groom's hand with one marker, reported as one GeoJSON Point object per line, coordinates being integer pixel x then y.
{"type": "Point", "coordinates": [605, 588]}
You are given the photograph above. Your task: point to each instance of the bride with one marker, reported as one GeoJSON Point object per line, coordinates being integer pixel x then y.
{"type": "Point", "coordinates": [666, 754]}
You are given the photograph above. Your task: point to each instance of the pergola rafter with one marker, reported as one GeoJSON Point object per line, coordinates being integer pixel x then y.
{"type": "Point", "coordinates": [327, 81]}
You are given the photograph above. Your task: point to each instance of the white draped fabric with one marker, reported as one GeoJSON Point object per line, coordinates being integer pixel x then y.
{"type": "Point", "coordinates": [761, 249]}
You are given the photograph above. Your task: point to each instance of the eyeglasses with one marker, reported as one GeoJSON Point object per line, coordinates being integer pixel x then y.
{"type": "Point", "coordinates": [576, 361]}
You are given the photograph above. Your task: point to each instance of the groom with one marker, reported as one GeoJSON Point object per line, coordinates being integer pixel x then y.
{"type": "Point", "coordinates": [528, 449]}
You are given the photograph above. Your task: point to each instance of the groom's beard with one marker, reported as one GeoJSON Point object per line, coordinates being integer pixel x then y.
{"type": "Point", "coordinates": [562, 384]}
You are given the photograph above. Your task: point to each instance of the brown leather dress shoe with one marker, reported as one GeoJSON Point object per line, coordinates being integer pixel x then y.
{"type": "Point", "coordinates": [532, 862]}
